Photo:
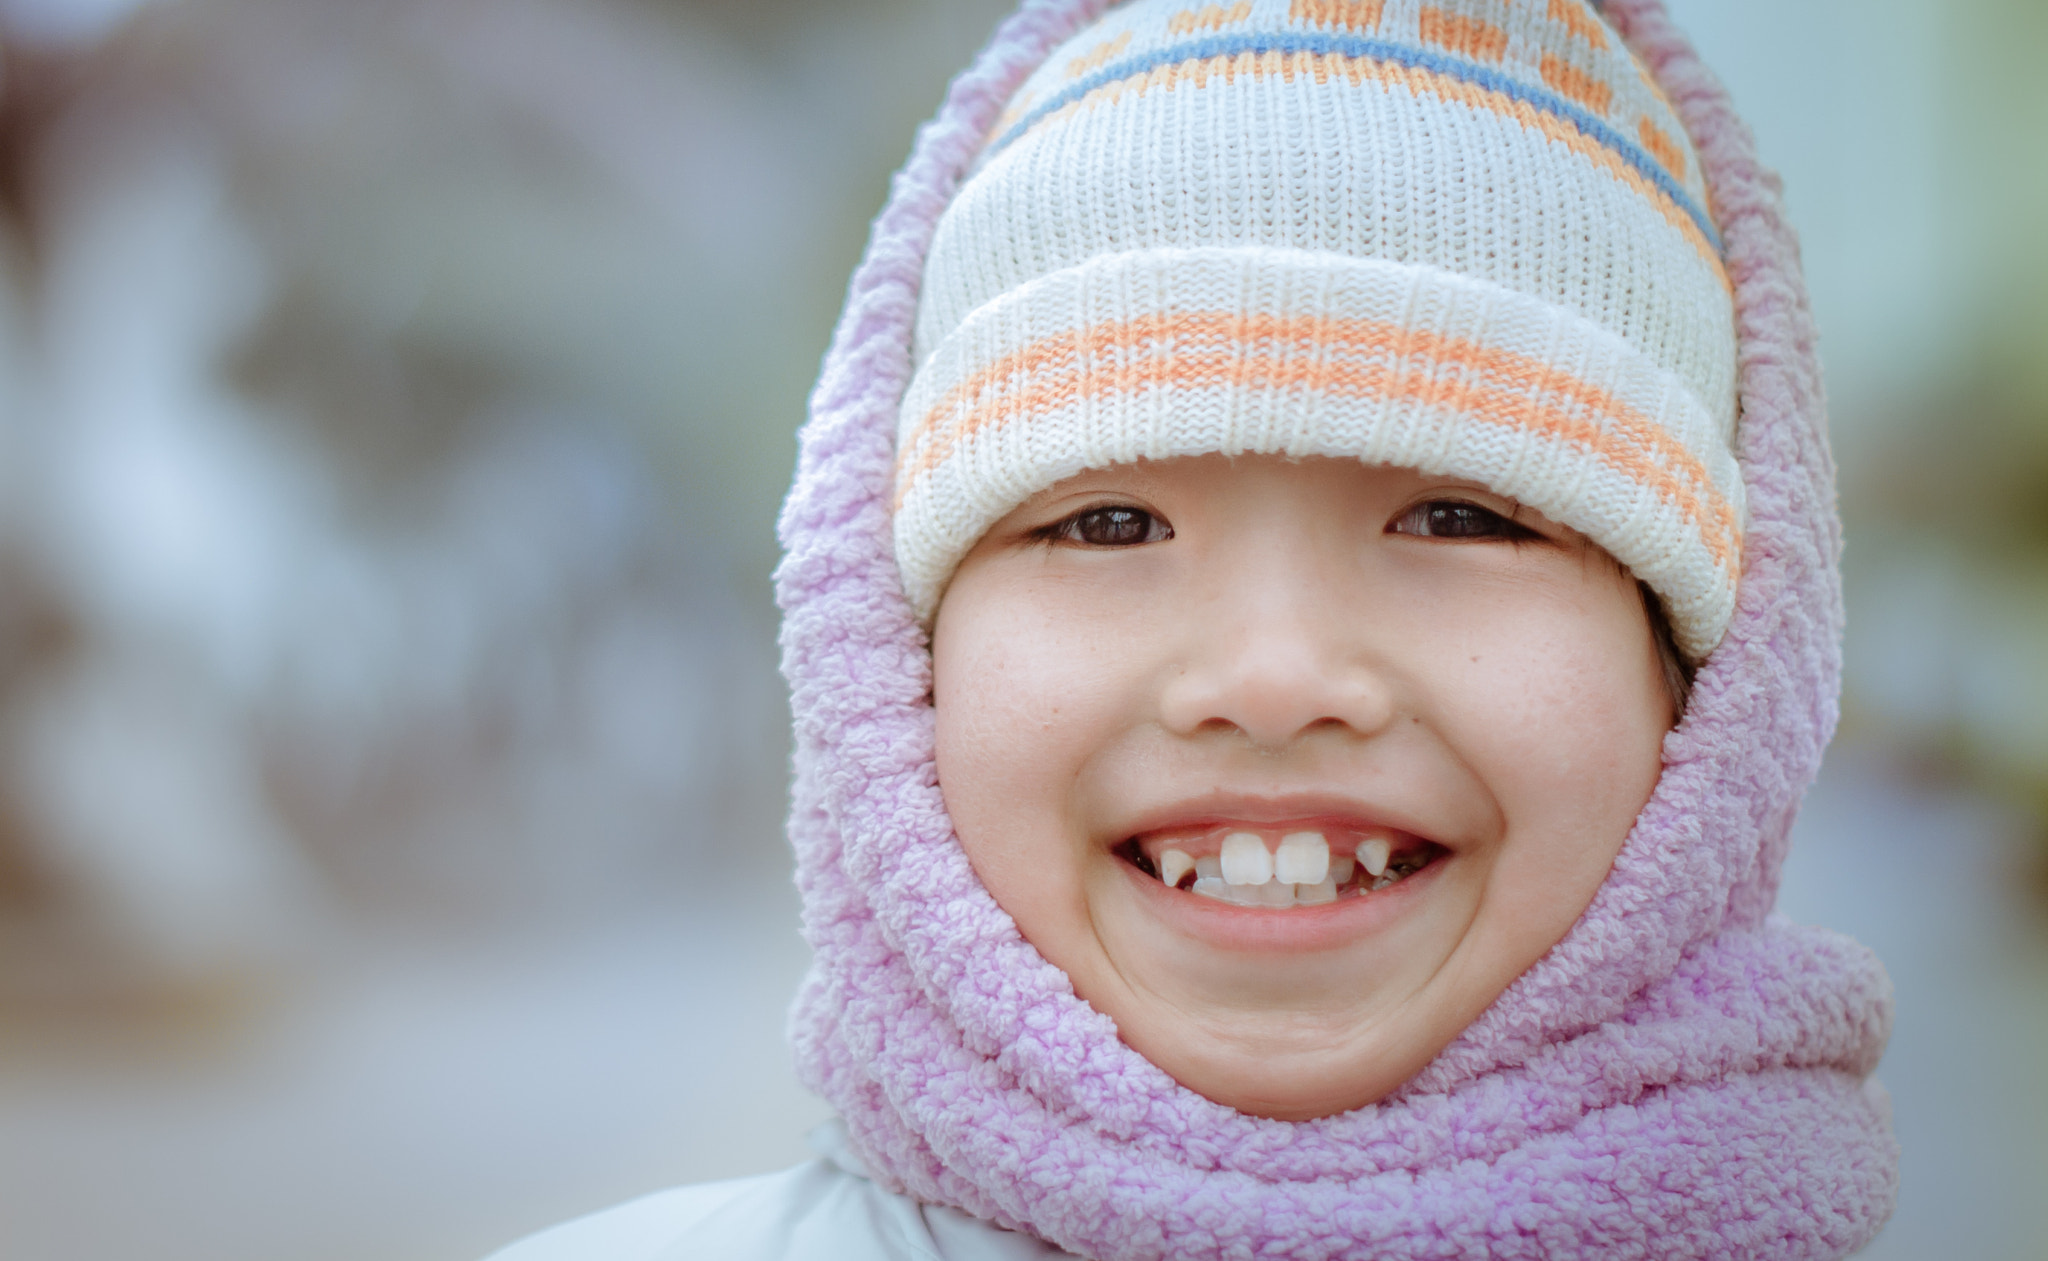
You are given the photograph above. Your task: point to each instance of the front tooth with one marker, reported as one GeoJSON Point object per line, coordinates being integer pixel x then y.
{"type": "Point", "coordinates": [1303, 858]}
{"type": "Point", "coordinates": [1316, 894]}
{"type": "Point", "coordinates": [1212, 887]}
{"type": "Point", "coordinates": [1374, 854]}
{"type": "Point", "coordinates": [1209, 867]}
{"type": "Point", "coordinates": [1173, 864]}
{"type": "Point", "coordinates": [1342, 869]}
{"type": "Point", "coordinates": [1246, 859]}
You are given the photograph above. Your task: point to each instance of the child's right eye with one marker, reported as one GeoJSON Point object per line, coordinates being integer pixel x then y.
{"type": "Point", "coordinates": [1110, 527]}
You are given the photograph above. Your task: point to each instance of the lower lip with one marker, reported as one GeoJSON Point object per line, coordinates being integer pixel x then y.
{"type": "Point", "coordinates": [1283, 930]}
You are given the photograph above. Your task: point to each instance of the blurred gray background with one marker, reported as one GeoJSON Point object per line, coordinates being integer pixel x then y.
{"type": "Point", "coordinates": [395, 398]}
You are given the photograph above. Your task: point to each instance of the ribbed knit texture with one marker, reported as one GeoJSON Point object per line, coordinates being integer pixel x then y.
{"type": "Point", "coordinates": [1684, 1075]}
{"type": "Point", "coordinates": [1465, 236]}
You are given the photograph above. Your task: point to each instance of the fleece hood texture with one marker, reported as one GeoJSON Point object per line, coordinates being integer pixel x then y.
{"type": "Point", "coordinates": [1686, 1074]}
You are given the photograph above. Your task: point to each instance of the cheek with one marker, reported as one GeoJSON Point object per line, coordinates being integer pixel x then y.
{"type": "Point", "coordinates": [1024, 701]}
{"type": "Point", "coordinates": [1568, 714]}
{"type": "Point", "coordinates": [996, 687]}
{"type": "Point", "coordinates": [1582, 710]}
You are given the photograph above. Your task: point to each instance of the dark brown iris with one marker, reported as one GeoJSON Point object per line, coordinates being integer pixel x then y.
{"type": "Point", "coordinates": [1113, 527]}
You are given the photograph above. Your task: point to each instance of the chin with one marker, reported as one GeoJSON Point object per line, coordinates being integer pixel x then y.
{"type": "Point", "coordinates": [1291, 1008]}
{"type": "Point", "coordinates": [1285, 1084]}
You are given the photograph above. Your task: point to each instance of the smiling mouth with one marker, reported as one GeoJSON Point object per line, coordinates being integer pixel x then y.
{"type": "Point", "coordinates": [1280, 867]}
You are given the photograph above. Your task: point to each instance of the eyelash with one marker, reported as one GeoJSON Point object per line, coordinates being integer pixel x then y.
{"type": "Point", "coordinates": [1492, 525]}
{"type": "Point", "coordinates": [1429, 519]}
{"type": "Point", "coordinates": [1067, 530]}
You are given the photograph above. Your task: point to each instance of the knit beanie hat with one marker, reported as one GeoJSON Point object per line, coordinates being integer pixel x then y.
{"type": "Point", "coordinates": [1468, 237]}
{"type": "Point", "coordinates": [1685, 1074]}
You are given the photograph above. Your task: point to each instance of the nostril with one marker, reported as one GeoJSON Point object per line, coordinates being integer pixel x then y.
{"type": "Point", "coordinates": [1273, 699]}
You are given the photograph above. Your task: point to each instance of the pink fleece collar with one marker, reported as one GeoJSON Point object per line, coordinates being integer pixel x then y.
{"type": "Point", "coordinates": [1684, 1075]}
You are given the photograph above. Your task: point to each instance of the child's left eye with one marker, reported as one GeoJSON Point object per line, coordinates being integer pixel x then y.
{"type": "Point", "coordinates": [1457, 519]}
{"type": "Point", "coordinates": [1111, 527]}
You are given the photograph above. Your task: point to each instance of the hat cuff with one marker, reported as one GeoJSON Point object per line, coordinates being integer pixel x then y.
{"type": "Point", "coordinates": [1159, 353]}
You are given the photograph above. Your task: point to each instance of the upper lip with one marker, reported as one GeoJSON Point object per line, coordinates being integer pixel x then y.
{"type": "Point", "coordinates": [1306, 809]}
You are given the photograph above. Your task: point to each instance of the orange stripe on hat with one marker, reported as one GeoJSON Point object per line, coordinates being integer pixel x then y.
{"type": "Point", "coordinates": [1385, 361]}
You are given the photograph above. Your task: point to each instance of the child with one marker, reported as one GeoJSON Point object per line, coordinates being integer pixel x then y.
{"type": "Point", "coordinates": [1279, 471]}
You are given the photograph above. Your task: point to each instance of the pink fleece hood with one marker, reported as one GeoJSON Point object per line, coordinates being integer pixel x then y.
{"type": "Point", "coordinates": [1686, 1074]}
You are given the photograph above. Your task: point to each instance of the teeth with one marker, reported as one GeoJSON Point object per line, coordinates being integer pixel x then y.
{"type": "Point", "coordinates": [1244, 894]}
{"type": "Point", "coordinates": [1303, 858]}
{"type": "Point", "coordinates": [1235, 894]}
{"type": "Point", "coordinates": [1301, 873]}
{"type": "Point", "coordinates": [1174, 864]}
{"type": "Point", "coordinates": [1246, 859]}
{"type": "Point", "coordinates": [1274, 893]}
{"type": "Point", "coordinates": [1316, 894]}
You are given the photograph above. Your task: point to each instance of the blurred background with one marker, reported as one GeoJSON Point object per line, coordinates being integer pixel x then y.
{"type": "Point", "coordinates": [395, 399]}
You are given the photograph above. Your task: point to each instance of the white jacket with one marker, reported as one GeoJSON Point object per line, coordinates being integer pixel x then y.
{"type": "Point", "coordinates": [824, 1210]}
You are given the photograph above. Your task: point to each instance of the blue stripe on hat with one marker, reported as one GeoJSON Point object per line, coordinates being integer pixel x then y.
{"type": "Point", "coordinates": [1376, 50]}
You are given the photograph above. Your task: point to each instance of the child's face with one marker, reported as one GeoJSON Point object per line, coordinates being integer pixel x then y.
{"type": "Point", "coordinates": [1247, 662]}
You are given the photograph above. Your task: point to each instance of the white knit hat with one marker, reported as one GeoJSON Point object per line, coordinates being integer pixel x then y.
{"type": "Point", "coordinates": [1467, 237]}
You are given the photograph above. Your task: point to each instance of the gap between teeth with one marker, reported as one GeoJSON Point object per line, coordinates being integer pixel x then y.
{"type": "Point", "coordinates": [1300, 872]}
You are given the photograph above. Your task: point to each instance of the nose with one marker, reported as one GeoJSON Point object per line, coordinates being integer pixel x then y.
{"type": "Point", "coordinates": [1276, 660]}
